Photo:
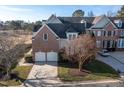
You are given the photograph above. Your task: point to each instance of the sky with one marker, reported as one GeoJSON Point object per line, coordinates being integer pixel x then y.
{"type": "Point", "coordinates": [41, 12]}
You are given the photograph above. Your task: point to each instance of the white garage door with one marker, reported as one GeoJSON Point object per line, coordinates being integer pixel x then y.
{"type": "Point", "coordinates": [52, 56]}
{"type": "Point", "coordinates": [40, 56]}
{"type": "Point", "coordinates": [49, 56]}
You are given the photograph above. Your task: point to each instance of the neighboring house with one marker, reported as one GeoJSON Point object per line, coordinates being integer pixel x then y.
{"type": "Point", "coordinates": [56, 32]}
{"type": "Point", "coordinates": [109, 32]}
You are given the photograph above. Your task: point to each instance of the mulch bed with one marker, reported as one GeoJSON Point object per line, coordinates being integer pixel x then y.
{"type": "Point", "coordinates": [76, 72]}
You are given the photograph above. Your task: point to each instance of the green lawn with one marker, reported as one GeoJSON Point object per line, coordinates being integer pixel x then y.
{"type": "Point", "coordinates": [98, 71]}
{"type": "Point", "coordinates": [23, 72]}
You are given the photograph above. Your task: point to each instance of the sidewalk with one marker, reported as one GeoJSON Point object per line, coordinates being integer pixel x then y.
{"type": "Point", "coordinates": [58, 83]}
{"type": "Point", "coordinates": [22, 61]}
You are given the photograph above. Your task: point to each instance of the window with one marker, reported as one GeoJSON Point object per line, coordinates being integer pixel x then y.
{"type": "Point", "coordinates": [108, 44]}
{"type": "Point", "coordinates": [104, 33]}
{"type": "Point", "coordinates": [104, 43]}
{"type": "Point", "coordinates": [113, 33]}
{"type": "Point", "coordinates": [121, 33]}
{"type": "Point", "coordinates": [120, 24]}
{"type": "Point", "coordinates": [45, 37]}
{"type": "Point", "coordinates": [99, 33]}
{"type": "Point", "coordinates": [72, 36]}
{"type": "Point", "coordinates": [109, 33]}
{"type": "Point", "coordinates": [98, 44]}
{"type": "Point", "coordinates": [120, 43]}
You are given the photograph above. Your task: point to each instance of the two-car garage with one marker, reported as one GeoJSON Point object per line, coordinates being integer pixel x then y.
{"type": "Point", "coordinates": [46, 56]}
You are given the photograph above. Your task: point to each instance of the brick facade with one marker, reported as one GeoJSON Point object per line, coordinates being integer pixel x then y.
{"type": "Point", "coordinates": [38, 44]}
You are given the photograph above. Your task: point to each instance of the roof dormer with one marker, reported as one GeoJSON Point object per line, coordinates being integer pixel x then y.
{"type": "Point", "coordinates": [118, 23]}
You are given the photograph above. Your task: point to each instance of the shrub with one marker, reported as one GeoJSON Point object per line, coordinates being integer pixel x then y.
{"type": "Point", "coordinates": [73, 58]}
{"type": "Point", "coordinates": [28, 46]}
{"type": "Point", "coordinates": [28, 58]}
{"type": "Point", "coordinates": [14, 74]}
{"type": "Point", "coordinates": [63, 56]}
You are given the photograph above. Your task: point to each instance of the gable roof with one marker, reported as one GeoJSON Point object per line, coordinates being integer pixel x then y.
{"type": "Point", "coordinates": [53, 19]}
{"type": "Point", "coordinates": [61, 25]}
{"type": "Point", "coordinates": [101, 21]}
{"type": "Point", "coordinates": [40, 29]}
{"type": "Point", "coordinates": [98, 18]}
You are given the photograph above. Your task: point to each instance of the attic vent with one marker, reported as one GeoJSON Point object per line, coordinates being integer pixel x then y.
{"type": "Point", "coordinates": [118, 23]}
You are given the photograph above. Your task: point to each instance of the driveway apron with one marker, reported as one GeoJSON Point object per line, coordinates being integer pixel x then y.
{"type": "Point", "coordinates": [43, 74]}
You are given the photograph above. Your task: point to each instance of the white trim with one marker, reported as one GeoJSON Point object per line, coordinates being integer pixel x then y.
{"type": "Point", "coordinates": [43, 37]}
{"type": "Point", "coordinates": [98, 43]}
{"type": "Point", "coordinates": [72, 35]}
{"type": "Point", "coordinates": [99, 33]}
{"type": "Point", "coordinates": [117, 22]}
{"type": "Point", "coordinates": [106, 24]}
{"type": "Point", "coordinates": [120, 43]}
{"type": "Point", "coordinates": [55, 17]}
{"type": "Point", "coordinates": [48, 28]}
{"type": "Point", "coordinates": [110, 22]}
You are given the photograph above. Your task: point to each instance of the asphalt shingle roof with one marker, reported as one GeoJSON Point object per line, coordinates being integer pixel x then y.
{"type": "Point", "coordinates": [75, 19]}
{"type": "Point", "coordinates": [61, 29]}
{"type": "Point", "coordinates": [73, 24]}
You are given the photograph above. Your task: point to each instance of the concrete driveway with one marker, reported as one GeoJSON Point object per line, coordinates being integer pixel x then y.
{"type": "Point", "coordinates": [43, 70]}
{"type": "Point", "coordinates": [43, 74]}
{"type": "Point", "coordinates": [115, 60]}
{"type": "Point", "coordinates": [118, 55]}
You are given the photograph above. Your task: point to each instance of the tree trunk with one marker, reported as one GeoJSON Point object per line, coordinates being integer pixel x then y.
{"type": "Point", "coordinates": [7, 76]}
{"type": "Point", "coordinates": [80, 66]}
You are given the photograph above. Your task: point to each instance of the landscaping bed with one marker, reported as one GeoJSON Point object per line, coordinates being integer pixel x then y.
{"type": "Point", "coordinates": [96, 70]}
{"type": "Point", "coordinates": [20, 74]}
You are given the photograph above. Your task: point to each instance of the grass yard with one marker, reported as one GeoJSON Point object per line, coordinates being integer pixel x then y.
{"type": "Point", "coordinates": [97, 69]}
{"type": "Point", "coordinates": [23, 72]}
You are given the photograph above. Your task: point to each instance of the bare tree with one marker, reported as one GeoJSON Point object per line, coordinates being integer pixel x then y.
{"type": "Point", "coordinates": [83, 48]}
{"type": "Point", "coordinates": [111, 14]}
{"type": "Point", "coordinates": [10, 50]}
{"type": "Point", "coordinates": [90, 14]}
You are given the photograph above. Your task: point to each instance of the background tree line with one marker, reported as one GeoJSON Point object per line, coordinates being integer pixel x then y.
{"type": "Point", "coordinates": [18, 25]}
{"type": "Point", "coordinates": [81, 13]}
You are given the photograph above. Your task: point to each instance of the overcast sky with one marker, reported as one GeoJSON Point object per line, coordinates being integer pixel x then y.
{"type": "Point", "coordinates": [40, 12]}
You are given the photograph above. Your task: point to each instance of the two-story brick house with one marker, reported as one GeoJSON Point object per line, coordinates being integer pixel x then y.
{"type": "Point", "coordinates": [109, 32]}
{"type": "Point", "coordinates": [56, 32]}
